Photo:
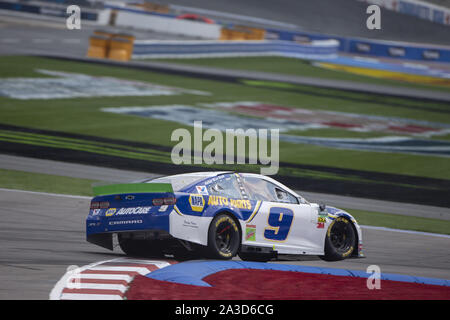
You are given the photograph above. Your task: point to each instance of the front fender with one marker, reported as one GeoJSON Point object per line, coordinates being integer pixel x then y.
{"type": "Point", "coordinates": [334, 213]}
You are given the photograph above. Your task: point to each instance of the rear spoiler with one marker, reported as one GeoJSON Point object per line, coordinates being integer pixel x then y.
{"type": "Point", "coordinates": [132, 188]}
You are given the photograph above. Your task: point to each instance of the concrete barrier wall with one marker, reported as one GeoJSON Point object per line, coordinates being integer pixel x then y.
{"type": "Point", "coordinates": [169, 25]}
{"type": "Point", "coordinates": [363, 46]}
{"type": "Point", "coordinates": [420, 9]}
{"type": "Point", "coordinates": [379, 48]}
{"type": "Point", "coordinates": [55, 10]}
{"type": "Point", "coordinates": [195, 49]}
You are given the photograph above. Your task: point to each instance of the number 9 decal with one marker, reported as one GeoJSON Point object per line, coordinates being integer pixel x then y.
{"type": "Point", "coordinates": [279, 221]}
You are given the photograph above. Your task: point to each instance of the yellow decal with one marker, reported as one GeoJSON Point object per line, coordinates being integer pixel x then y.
{"type": "Point", "coordinates": [394, 75]}
{"type": "Point", "coordinates": [197, 202]}
{"type": "Point", "coordinates": [217, 201]}
{"type": "Point", "coordinates": [234, 203]}
{"type": "Point", "coordinates": [110, 212]}
{"type": "Point", "coordinates": [241, 204]}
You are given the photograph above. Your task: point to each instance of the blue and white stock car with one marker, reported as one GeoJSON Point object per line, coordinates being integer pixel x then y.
{"type": "Point", "coordinates": [220, 215]}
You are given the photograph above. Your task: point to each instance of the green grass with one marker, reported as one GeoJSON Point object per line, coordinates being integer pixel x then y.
{"type": "Point", "coordinates": [296, 67]}
{"type": "Point", "coordinates": [21, 180]}
{"type": "Point", "coordinates": [441, 137]}
{"type": "Point", "coordinates": [337, 133]}
{"type": "Point", "coordinates": [400, 221]}
{"type": "Point", "coordinates": [83, 115]}
{"type": "Point", "coordinates": [13, 179]}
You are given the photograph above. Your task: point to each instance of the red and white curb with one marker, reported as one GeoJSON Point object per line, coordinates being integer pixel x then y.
{"type": "Point", "coordinates": [104, 280]}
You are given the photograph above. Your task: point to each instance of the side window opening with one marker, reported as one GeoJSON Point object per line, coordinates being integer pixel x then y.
{"type": "Point", "coordinates": [259, 189]}
{"type": "Point", "coordinates": [225, 187]}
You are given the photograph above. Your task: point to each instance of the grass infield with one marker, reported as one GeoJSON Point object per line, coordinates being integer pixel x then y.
{"type": "Point", "coordinates": [320, 166]}
{"type": "Point", "coordinates": [295, 67]}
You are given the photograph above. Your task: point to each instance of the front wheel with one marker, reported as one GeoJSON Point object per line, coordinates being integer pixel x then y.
{"type": "Point", "coordinates": [340, 240]}
{"type": "Point", "coordinates": [224, 238]}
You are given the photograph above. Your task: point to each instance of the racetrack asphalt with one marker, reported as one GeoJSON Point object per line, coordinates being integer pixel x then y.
{"type": "Point", "coordinates": [82, 171]}
{"type": "Point", "coordinates": [28, 35]}
{"type": "Point", "coordinates": [221, 74]}
{"type": "Point", "coordinates": [343, 17]}
{"type": "Point", "coordinates": [43, 234]}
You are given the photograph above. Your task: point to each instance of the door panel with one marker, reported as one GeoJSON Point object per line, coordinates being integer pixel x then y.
{"type": "Point", "coordinates": [286, 227]}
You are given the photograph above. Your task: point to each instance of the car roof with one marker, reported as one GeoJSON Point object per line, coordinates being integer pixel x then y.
{"type": "Point", "coordinates": [182, 180]}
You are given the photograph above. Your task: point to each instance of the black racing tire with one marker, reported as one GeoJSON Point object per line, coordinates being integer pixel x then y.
{"type": "Point", "coordinates": [139, 248]}
{"type": "Point", "coordinates": [255, 256]}
{"type": "Point", "coordinates": [340, 240]}
{"type": "Point", "coordinates": [224, 237]}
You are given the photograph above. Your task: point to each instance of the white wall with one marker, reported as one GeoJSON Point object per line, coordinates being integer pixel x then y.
{"type": "Point", "coordinates": [168, 25]}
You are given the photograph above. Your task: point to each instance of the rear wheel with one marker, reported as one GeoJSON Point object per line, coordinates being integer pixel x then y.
{"type": "Point", "coordinates": [224, 238]}
{"type": "Point", "coordinates": [340, 240]}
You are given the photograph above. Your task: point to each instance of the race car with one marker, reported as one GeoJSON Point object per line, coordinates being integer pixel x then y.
{"type": "Point", "coordinates": [219, 215]}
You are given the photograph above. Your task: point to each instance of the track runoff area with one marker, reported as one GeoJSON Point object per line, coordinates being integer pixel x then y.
{"type": "Point", "coordinates": [94, 275]}
{"type": "Point", "coordinates": [132, 278]}
{"type": "Point", "coordinates": [93, 278]}
{"type": "Point", "coordinates": [89, 272]}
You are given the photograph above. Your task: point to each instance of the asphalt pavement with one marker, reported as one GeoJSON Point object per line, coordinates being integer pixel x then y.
{"type": "Point", "coordinates": [43, 234]}
{"type": "Point", "coordinates": [75, 170]}
{"type": "Point", "coordinates": [343, 17]}
{"type": "Point", "coordinates": [28, 35]}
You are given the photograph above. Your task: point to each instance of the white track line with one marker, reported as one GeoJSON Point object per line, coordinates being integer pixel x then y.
{"type": "Point", "coordinates": [78, 296]}
{"type": "Point", "coordinates": [142, 271]}
{"type": "Point", "coordinates": [158, 263]}
{"type": "Point", "coordinates": [407, 231]}
{"type": "Point", "coordinates": [123, 277]}
{"type": "Point", "coordinates": [46, 193]}
{"type": "Point", "coordinates": [55, 294]}
{"type": "Point", "coordinates": [77, 285]}
{"type": "Point", "coordinates": [102, 286]}
{"type": "Point", "coordinates": [161, 264]}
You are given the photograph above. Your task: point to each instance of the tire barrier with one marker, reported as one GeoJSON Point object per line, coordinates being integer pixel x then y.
{"type": "Point", "coordinates": [110, 46]}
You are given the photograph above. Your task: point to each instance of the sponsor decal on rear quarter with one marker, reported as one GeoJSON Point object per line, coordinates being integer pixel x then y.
{"type": "Point", "coordinates": [197, 202]}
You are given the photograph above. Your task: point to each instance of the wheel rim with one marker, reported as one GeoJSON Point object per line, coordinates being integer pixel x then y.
{"type": "Point", "coordinates": [341, 236]}
{"type": "Point", "coordinates": [225, 237]}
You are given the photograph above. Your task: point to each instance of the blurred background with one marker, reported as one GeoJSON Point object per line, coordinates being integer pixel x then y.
{"type": "Point", "coordinates": [91, 92]}
{"type": "Point", "coordinates": [362, 112]}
